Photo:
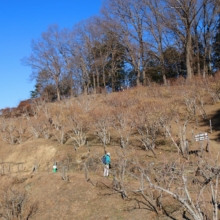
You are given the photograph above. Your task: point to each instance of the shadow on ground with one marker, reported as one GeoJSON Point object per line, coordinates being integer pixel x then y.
{"type": "Point", "coordinates": [215, 121]}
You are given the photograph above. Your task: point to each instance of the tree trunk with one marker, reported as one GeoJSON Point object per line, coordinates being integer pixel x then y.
{"type": "Point", "coordinates": [85, 91]}
{"type": "Point", "coordinates": [164, 77]}
{"type": "Point", "coordinates": [138, 77]}
{"type": "Point", "coordinates": [103, 78]}
{"type": "Point", "coordinates": [71, 85]}
{"type": "Point", "coordinates": [163, 72]}
{"type": "Point", "coordinates": [204, 63]}
{"type": "Point", "coordinates": [57, 89]}
{"type": "Point", "coordinates": [113, 82]}
{"type": "Point", "coordinates": [188, 54]}
{"type": "Point", "coordinates": [94, 83]}
{"type": "Point", "coordinates": [98, 83]}
{"type": "Point", "coordinates": [144, 78]}
{"type": "Point", "coordinates": [209, 60]}
{"type": "Point", "coordinates": [197, 55]}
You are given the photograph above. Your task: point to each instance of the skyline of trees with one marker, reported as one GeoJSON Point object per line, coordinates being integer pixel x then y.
{"type": "Point", "coordinates": [132, 42]}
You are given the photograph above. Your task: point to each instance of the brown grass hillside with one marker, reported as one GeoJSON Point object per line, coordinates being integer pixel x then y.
{"type": "Point", "coordinates": [150, 133]}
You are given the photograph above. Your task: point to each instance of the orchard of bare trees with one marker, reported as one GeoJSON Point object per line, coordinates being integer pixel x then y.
{"type": "Point", "coordinates": [131, 42]}
{"type": "Point", "coordinates": [150, 131]}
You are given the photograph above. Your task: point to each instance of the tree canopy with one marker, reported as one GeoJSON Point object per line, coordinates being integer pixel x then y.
{"type": "Point", "coordinates": [132, 42]}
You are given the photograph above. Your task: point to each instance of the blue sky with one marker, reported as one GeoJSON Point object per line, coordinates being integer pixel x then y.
{"type": "Point", "coordinates": [24, 20]}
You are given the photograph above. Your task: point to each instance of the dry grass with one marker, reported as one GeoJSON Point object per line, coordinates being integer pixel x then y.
{"type": "Point", "coordinates": [94, 197]}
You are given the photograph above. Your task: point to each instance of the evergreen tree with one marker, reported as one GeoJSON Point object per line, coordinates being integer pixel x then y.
{"type": "Point", "coordinates": [36, 93]}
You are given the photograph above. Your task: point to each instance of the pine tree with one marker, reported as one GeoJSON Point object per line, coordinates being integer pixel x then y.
{"type": "Point", "coordinates": [36, 93]}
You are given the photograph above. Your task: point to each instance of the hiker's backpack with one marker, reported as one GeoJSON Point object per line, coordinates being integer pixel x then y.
{"type": "Point", "coordinates": [104, 159]}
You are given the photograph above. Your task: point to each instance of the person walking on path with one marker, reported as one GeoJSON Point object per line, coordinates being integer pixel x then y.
{"type": "Point", "coordinates": [107, 162]}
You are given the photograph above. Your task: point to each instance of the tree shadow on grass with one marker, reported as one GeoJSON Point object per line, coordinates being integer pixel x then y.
{"type": "Point", "coordinates": [140, 204]}
{"type": "Point", "coordinates": [147, 206]}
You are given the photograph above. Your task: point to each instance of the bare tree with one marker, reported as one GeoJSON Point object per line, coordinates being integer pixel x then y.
{"type": "Point", "coordinates": [198, 197]}
{"type": "Point", "coordinates": [180, 16]}
{"type": "Point", "coordinates": [213, 88]}
{"type": "Point", "coordinates": [83, 58]}
{"type": "Point", "coordinates": [123, 124]}
{"type": "Point", "coordinates": [210, 10]}
{"type": "Point", "coordinates": [78, 127]}
{"type": "Point", "coordinates": [21, 129]}
{"type": "Point", "coordinates": [148, 125]}
{"type": "Point", "coordinates": [196, 206]}
{"type": "Point", "coordinates": [66, 45]}
{"type": "Point", "coordinates": [92, 36]}
{"type": "Point", "coordinates": [101, 124]}
{"type": "Point", "coordinates": [15, 206]}
{"type": "Point", "coordinates": [38, 125]}
{"type": "Point", "coordinates": [157, 30]}
{"type": "Point", "coordinates": [9, 135]}
{"type": "Point", "coordinates": [46, 60]}
{"type": "Point", "coordinates": [127, 20]}
{"type": "Point", "coordinates": [59, 122]}
{"type": "Point", "coordinates": [85, 103]}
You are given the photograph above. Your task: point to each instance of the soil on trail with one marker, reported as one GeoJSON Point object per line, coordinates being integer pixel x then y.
{"type": "Point", "coordinates": [77, 198]}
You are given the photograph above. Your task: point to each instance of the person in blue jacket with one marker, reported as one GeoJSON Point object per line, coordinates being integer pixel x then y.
{"type": "Point", "coordinates": [107, 162]}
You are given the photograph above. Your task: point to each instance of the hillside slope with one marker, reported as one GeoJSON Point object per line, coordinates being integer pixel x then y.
{"type": "Point", "coordinates": [79, 191]}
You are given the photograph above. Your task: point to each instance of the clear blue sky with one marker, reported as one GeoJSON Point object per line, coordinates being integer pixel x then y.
{"type": "Point", "coordinates": [24, 20]}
